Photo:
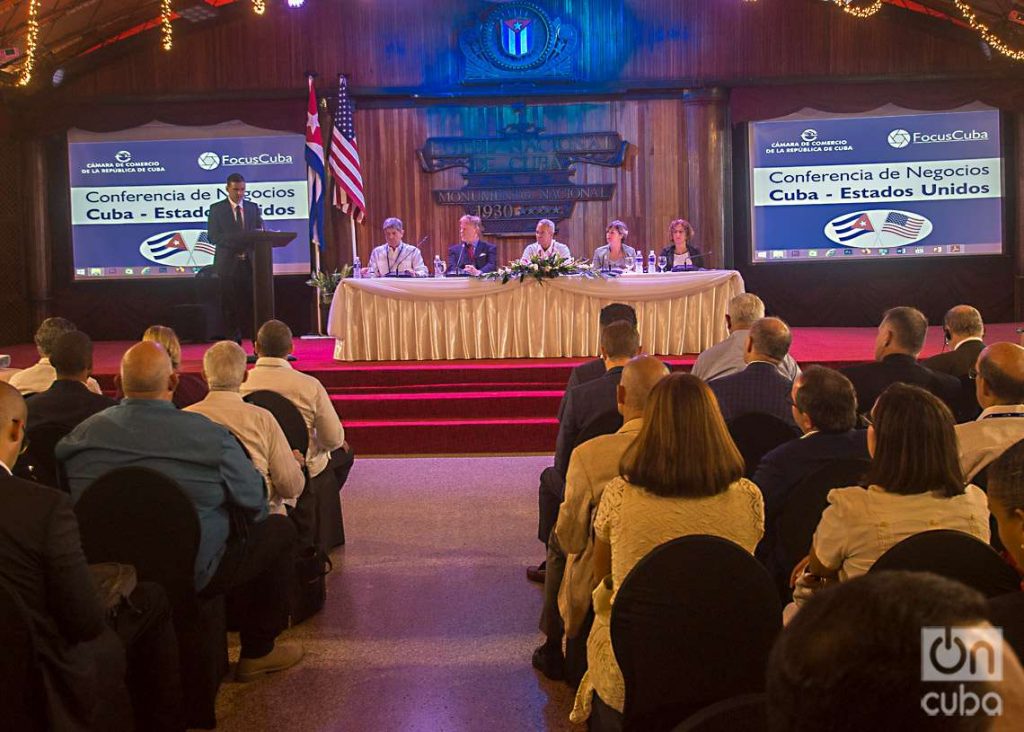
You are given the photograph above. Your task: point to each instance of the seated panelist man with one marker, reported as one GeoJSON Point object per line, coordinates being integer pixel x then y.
{"type": "Point", "coordinates": [473, 256]}
{"type": "Point", "coordinates": [395, 258]}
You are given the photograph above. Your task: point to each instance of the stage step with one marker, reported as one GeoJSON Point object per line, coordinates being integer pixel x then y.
{"type": "Point", "coordinates": [451, 437]}
{"type": "Point", "coordinates": [447, 405]}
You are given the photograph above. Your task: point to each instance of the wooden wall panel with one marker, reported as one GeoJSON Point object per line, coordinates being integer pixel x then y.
{"type": "Point", "coordinates": [650, 186]}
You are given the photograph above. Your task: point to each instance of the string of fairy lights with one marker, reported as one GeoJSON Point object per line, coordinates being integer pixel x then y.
{"type": "Point", "coordinates": [259, 7]}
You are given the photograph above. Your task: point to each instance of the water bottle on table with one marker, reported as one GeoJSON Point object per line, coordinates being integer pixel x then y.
{"type": "Point", "coordinates": [651, 260]}
{"type": "Point", "coordinates": [638, 263]}
{"type": "Point", "coordinates": [438, 267]}
{"type": "Point", "coordinates": [357, 268]}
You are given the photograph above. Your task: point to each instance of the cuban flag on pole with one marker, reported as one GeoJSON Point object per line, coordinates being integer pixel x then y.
{"type": "Point", "coordinates": [315, 169]}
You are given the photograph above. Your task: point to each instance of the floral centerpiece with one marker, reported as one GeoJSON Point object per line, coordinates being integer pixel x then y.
{"type": "Point", "coordinates": [543, 268]}
{"type": "Point", "coordinates": [326, 283]}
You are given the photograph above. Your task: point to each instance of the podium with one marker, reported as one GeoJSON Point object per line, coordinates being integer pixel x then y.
{"type": "Point", "coordinates": [260, 246]}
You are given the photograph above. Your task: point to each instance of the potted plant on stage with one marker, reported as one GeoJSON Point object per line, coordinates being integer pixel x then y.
{"type": "Point", "coordinates": [325, 284]}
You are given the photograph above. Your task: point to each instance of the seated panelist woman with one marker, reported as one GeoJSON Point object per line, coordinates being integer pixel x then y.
{"type": "Point", "coordinates": [681, 251]}
{"type": "Point", "coordinates": [616, 254]}
{"type": "Point", "coordinates": [472, 255]}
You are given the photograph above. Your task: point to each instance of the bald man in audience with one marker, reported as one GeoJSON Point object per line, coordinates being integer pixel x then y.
{"type": "Point", "coordinates": [999, 385]}
{"type": "Point", "coordinates": [568, 581]}
{"type": "Point", "coordinates": [207, 462]}
{"type": "Point", "coordinates": [760, 387]}
{"type": "Point", "coordinates": [255, 427]}
{"type": "Point", "coordinates": [963, 331]}
{"type": "Point", "coordinates": [727, 357]}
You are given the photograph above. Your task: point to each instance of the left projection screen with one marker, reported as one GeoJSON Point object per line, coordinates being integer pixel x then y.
{"type": "Point", "coordinates": [140, 198]}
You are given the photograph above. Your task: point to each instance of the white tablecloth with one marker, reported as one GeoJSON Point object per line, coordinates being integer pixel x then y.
{"type": "Point", "coordinates": [434, 319]}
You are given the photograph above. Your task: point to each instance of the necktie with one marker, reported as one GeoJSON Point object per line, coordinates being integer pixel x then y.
{"type": "Point", "coordinates": [469, 252]}
{"type": "Point", "coordinates": [238, 216]}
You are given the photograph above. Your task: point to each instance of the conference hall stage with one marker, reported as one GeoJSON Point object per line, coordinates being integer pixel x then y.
{"type": "Point", "coordinates": [488, 406]}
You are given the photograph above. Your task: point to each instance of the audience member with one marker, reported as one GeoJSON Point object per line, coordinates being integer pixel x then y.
{"type": "Point", "coordinates": [255, 427]}
{"type": "Point", "coordinates": [682, 475]}
{"type": "Point", "coordinates": [591, 465]}
{"type": "Point", "coordinates": [619, 343]}
{"type": "Point", "coordinates": [852, 660]}
{"type": "Point", "coordinates": [40, 376]}
{"type": "Point", "coordinates": [900, 338]}
{"type": "Point", "coordinates": [190, 387]}
{"type": "Point", "coordinates": [595, 369]}
{"type": "Point", "coordinates": [1006, 500]}
{"type": "Point", "coordinates": [999, 383]}
{"type": "Point", "coordinates": [963, 331]}
{"type": "Point", "coordinates": [211, 468]}
{"type": "Point", "coordinates": [727, 357]}
{"type": "Point", "coordinates": [68, 401]}
{"type": "Point", "coordinates": [914, 484]}
{"type": "Point", "coordinates": [825, 410]}
{"type": "Point", "coordinates": [760, 387]}
{"type": "Point", "coordinates": [328, 458]}
{"type": "Point", "coordinates": [82, 662]}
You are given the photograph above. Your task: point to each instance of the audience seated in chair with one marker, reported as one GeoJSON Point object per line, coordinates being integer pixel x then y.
{"type": "Point", "coordinates": [852, 659]}
{"type": "Point", "coordinates": [69, 400]}
{"type": "Point", "coordinates": [759, 387]}
{"type": "Point", "coordinates": [83, 660]}
{"type": "Point", "coordinates": [582, 404]}
{"type": "Point", "coordinates": [727, 357]}
{"type": "Point", "coordinates": [1006, 500]}
{"type": "Point", "coordinates": [256, 428]}
{"type": "Point", "coordinates": [591, 466]}
{"type": "Point", "coordinates": [999, 382]}
{"type": "Point", "coordinates": [39, 377]}
{"type": "Point", "coordinates": [900, 338]}
{"type": "Point", "coordinates": [329, 458]}
{"type": "Point", "coordinates": [824, 407]}
{"type": "Point", "coordinates": [191, 388]}
{"type": "Point", "coordinates": [914, 484]}
{"type": "Point", "coordinates": [681, 476]}
{"type": "Point", "coordinates": [206, 460]}
{"type": "Point", "coordinates": [595, 368]}
{"type": "Point", "coordinates": [963, 330]}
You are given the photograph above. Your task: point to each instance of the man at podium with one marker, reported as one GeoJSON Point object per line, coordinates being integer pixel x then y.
{"type": "Point", "coordinates": [234, 215]}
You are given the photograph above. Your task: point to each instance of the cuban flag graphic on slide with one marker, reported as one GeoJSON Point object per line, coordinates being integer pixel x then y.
{"type": "Point", "coordinates": [878, 228]}
{"type": "Point", "coordinates": [180, 248]}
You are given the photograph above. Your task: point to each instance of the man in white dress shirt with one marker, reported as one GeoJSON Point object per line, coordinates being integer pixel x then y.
{"type": "Point", "coordinates": [40, 377]}
{"type": "Point", "coordinates": [727, 357]}
{"type": "Point", "coordinates": [395, 258]}
{"type": "Point", "coordinates": [329, 458]}
{"type": "Point", "coordinates": [255, 427]}
{"type": "Point", "coordinates": [999, 384]}
{"type": "Point", "coordinates": [546, 246]}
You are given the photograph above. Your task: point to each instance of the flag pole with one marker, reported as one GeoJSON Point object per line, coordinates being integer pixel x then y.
{"type": "Point", "coordinates": [352, 228]}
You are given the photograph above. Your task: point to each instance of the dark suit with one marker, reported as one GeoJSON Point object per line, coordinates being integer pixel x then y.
{"type": "Point", "coordinates": [66, 403]}
{"type": "Point", "coordinates": [757, 388]}
{"type": "Point", "coordinates": [957, 363]}
{"type": "Point", "coordinates": [871, 379]}
{"type": "Point", "coordinates": [232, 262]}
{"type": "Point", "coordinates": [485, 257]}
{"type": "Point", "coordinates": [580, 375]}
{"type": "Point", "coordinates": [41, 559]}
{"type": "Point", "coordinates": [782, 469]}
{"type": "Point", "coordinates": [582, 404]}
{"type": "Point", "coordinates": [669, 253]}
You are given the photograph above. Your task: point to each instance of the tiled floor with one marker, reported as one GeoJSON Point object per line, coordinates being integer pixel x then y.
{"type": "Point", "coordinates": [430, 622]}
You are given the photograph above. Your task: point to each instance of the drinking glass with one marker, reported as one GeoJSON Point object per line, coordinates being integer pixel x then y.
{"type": "Point", "coordinates": [662, 263]}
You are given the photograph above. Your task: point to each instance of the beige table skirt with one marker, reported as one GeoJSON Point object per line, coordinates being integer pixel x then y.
{"type": "Point", "coordinates": [436, 319]}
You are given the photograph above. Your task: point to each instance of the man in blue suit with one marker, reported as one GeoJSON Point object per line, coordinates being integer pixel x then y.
{"type": "Point", "coordinates": [759, 387]}
{"type": "Point", "coordinates": [825, 409]}
{"type": "Point", "coordinates": [472, 256]}
{"type": "Point", "coordinates": [229, 217]}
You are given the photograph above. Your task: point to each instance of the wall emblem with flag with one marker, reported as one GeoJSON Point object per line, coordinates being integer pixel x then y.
{"type": "Point", "coordinates": [516, 36]}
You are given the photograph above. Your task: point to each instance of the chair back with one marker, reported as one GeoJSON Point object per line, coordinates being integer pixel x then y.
{"type": "Point", "coordinates": [757, 434]}
{"type": "Point", "coordinates": [21, 683]}
{"type": "Point", "coordinates": [38, 463]}
{"type": "Point", "coordinates": [744, 713]}
{"type": "Point", "coordinates": [1007, 612]}
{"type": "Point", "coordinates": [602, 424]}
{"type": "Point", "coordinates": [800, 516]}
{"type": "Point", "coordinates": [692, 624]}
{"type": "Point", "coordinates": [955, 555]}
{"type": "Point", "coordinates": [286, 414]}
{"type": "Point", "coordinates": [141, 517]}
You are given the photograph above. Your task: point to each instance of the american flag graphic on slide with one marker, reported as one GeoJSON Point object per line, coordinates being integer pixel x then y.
{"type": "Point", "coordinates": [902, 225]}
{"type": "Point", "coordinates": [203, 244]}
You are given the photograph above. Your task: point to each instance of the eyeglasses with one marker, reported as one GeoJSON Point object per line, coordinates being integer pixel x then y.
{"type": "Point", "coordinates": [972, 373]}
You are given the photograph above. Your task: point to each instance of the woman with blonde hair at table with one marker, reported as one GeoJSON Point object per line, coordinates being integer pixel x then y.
{"type": "Point", "coordinates": [616, 255]}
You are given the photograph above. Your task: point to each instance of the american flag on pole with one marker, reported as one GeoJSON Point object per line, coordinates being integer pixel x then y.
{"type": "Point", "coordinates": [344, 157]}
{"type": "Point", "coordinates": [315, 175]}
